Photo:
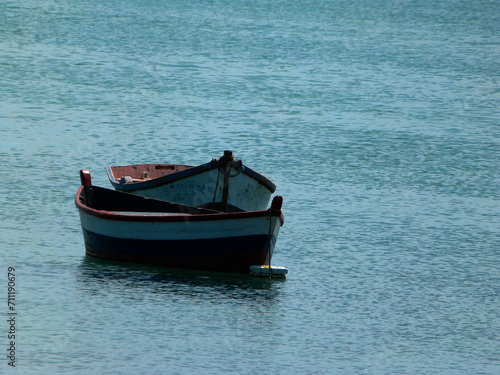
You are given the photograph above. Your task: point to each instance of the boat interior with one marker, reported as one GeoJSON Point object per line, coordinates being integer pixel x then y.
{"type": "Point", "coordinates": [102, 199]}
{"type": "Point", "coordinates": [143, 172]}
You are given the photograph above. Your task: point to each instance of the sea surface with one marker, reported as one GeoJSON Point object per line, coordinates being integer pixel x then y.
{"type": "Point", "coordinates": [379, 122]}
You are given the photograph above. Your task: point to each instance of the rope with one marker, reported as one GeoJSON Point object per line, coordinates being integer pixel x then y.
{"type": "Point", "coordinates": [226, 171]}
{"type": "Point", "coordinates": [228, 174]}
{"type": "Point", "coordinates": [216, 187]}
{"type": "Point", "coordinates": [270, 244]}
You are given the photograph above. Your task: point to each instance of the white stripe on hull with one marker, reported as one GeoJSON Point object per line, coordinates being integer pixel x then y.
{"type": "Point", "coordinates": [184, 230]}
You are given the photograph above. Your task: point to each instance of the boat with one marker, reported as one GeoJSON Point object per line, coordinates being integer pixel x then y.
{"type": "Point", "coordinates": [126, 227]}
{"type": "Point", "coordinates": [217, 184]}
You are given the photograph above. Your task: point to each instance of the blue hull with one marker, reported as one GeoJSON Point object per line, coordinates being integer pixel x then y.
{"type": "Point", "coordinates": [231, 254]}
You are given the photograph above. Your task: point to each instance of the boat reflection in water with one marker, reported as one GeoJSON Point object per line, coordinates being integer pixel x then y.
{"type": "Point", "coordinates": [100, 277]}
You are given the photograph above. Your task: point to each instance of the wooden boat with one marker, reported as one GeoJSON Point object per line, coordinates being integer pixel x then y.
{"type": "Point", "coordinates": [218, 184]}
{"type": "Point", "coordinates": [127, 227]}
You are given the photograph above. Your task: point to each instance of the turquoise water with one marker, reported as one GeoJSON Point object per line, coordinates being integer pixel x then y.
{"type": "Point", "coordinates": [377, 120]}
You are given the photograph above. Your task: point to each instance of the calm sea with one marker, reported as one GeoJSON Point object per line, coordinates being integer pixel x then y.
{"type": "Point", "coordinates": [379, 123]}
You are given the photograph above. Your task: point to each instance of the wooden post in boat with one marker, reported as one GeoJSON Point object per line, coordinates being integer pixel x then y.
{"type": "Point", "coordinates": [225, 164]}
{"type": "Point", "coordinates": [85, 178]}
